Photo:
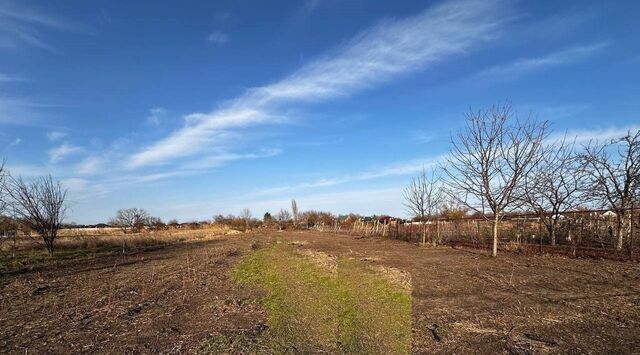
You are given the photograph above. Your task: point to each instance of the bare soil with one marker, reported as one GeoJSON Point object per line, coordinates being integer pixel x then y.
{"type": "Point", "coordinates": [173, 298]}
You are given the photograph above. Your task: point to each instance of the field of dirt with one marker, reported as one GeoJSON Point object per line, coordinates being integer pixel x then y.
{"type": "Point", "coordinates": [172, 298]}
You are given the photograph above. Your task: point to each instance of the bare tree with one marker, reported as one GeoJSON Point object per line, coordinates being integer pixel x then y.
{"type": "Point", "coordinates": [155, 223]}
{"type": "Point", "coordinates": [130, 219]}
{"type": "Point", "coordinates": [556, 185]}
{"type": "Point", "coordinates": [246, 216]}
{"type": "Point", "coordinates": [614, 168]}
{"type": "Point", "coordinates": [41, 205]}
{"type": "Point", "coordinates": [294, 211]}
{"type": "Point", "coordinates": [423, 198]}
{"type": "Point", "coordinates": [490, 159]}
{"type": "Point", "coordinates": [283, 216]}
{"type": "Point", "coordinates": [3, 188]}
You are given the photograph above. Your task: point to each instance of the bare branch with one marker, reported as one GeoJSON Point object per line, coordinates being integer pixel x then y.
{"type": "Point", "coordinates": [490, 159]}
{"type": "Point", "coordinates": [41, 204]}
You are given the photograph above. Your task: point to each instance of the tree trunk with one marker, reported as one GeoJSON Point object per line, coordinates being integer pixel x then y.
{"type": "Point", "coordinates": [552, 234]}
{"type": "Point", "coordinates": [434, 238]}
{"type": "Point", "coordinates": [619, 234]}
{"type": "Point", "coordinates": [631, 229]}
{"type": "Point", "coordinates": [48, 242]}
{"type": "Point", "coordinates": [496, 221]}
{"type": "Point", "coordinates": [424, 234]}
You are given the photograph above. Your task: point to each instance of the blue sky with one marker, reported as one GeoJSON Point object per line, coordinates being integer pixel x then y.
{"type": "Point", "coordinates": [191, 111]}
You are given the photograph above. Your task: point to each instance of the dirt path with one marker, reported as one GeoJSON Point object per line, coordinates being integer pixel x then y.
{"type": "Point", "coordinates": [172, 299]}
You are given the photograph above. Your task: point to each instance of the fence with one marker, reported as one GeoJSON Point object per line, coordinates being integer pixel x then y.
{"type": "Point", "coordinates": [580, 233]}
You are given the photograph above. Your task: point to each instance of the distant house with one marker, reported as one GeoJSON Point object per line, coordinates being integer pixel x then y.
{"type": "Point", "coordinates": [609, 214]}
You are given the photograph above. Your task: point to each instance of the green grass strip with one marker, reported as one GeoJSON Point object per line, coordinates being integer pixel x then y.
{"type": "Point", "coordinates": [346, 308]}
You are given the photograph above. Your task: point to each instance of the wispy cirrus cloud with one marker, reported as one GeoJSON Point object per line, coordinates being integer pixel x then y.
{"type": "Point", "coordinates": [65, 149]}
{"type": "Point", "coordinates": [156, 115]}
{"type": "Point", "coordinates": [55, 135]}
{"type": "Point", "coordinates": [18, 111]}
{"type": "Point", "coordinates": [21, 25]}
{"type": "Point", "coordinates": [584, 136]}
{"type": "Point", "coordinates": [15, 142]}
{"type": "Point", "coordinates": [307, 7]}
{"type": "Point", "coordinates": [392, 170]}
{"type": "Point", "coordinates": [390, 49]}
{"type": "Point", "coordinates": [526, 65]}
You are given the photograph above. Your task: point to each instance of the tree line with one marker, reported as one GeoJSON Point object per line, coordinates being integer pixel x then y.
{"type": "Point", "coordinates": [500, 163]}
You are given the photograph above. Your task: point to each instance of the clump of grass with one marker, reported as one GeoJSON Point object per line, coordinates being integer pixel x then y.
{"type": "Point", "coordinates": [347, 309]}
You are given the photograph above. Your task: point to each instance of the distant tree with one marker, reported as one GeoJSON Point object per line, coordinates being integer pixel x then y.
{"type": "Point", "coordinates": [317, 218]}
{"type": "Point", "coordinates": [155, 223]}
{"type": "Point", "coordinates": [490, 159]}
{"type": "Point", "coordinates": [423, 198]}
{"type": "Point", "coordinates": [556, 185]}
{"type": "Point", "coordinates": [130, 219]}
{"type": "Point", "coordinates": [614, 171]}
{"type": "Point", "coordinates": [452, 209]}
{"type": "Point", "coordinates": [40, 204]}
{"type": "Point", "coordinates": [173, 223]}
{"type": "Point", "coordinates": [3, 189]}
{"type": "Point", "coordinates": [246, 216]}
{"type": "Point", "coordinates": [267, 218]}
{"type": "Point", "coordinates": [294, 211]}
{"type": "Point", "coordinates": [283, 216]}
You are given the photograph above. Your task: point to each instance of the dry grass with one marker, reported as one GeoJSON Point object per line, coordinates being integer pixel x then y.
{"type": "Point", "coordinates": [183, 297]}
{"type": "Point", "coordinates": [27, 251]}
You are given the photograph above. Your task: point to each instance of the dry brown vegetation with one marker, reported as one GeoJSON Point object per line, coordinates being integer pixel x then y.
{"type": "Point", "coordinates": [182, 297]}
{"type": "Point", "coordinates": [27, 251]}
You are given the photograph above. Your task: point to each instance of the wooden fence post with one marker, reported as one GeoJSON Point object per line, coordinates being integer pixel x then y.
{"type": "Point", "coordinates": [540, 233]}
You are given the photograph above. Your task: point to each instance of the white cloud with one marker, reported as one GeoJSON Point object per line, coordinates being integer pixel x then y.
{"type": "Point", "coordinates": [392, 170]}
{"type": "Point", "coordinates": [61, 152]}
{"type": "Point", "coordinates": [20, 25]}
{"type": "Point", "coordinates": [55, 135]}
{"type": "Point", "coordinates": [217, 38]}
{"type": "Point", "coordinates": [26, 170]}
{"type": "Point", "coordinates": [584, 136]}
{"type": "Point", "coordinates": [200, 132]}
{"type": "Point", "coordinates": [377, 55]}
{"type": "Point", "coordinates": [216, 160]}
{"type": "Point", "coordinates": [15, 142]}
{"type": "Point", "coordinates": [156, 115]}
{"type": "Point", "coordinates": [525, 65]}
{"type": "Point", "coordinates": [554, 112]}
{"type": "Point", "coordinates": [308, 6]}
{"type": "Point", "coordinates": [26, 15]}
{"type": "Point", "coordinates": [90, 166]}
{"type": "Point", "coordinates": [18, 111]}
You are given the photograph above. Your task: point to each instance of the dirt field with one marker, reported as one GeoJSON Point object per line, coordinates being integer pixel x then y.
{"type": "Point", "coordinates": [176, 297]}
